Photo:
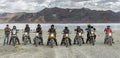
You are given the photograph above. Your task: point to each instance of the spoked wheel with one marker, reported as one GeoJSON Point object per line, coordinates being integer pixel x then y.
{"type": "Point", "coordinates": [66, 42]}
{"type": "Point", "coordinates": [14, 41]}
{"type": "Point", "coordinates": [79, 41]}
{"type": "Point", "coordinates": [52, 43]}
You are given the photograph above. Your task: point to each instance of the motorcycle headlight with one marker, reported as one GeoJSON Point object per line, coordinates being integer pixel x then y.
{"type": "Point", "coordinates": [26, 33]}
{"type": "Point", "coordinates": [110, 34]}
{"type": "Point", "coordinates": [79, 34]}
{"type": "Point", "coordinates": [66, 35]}
{"type": "Point", "coordinates": [52, 35]}
{"type": "Point", "coordinates": [92, 32]}
{"type": "Point", "coordinates": [37, 34]}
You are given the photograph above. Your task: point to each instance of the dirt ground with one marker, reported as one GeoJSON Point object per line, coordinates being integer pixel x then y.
{"type": "Point", "coordinates": [100, 50]}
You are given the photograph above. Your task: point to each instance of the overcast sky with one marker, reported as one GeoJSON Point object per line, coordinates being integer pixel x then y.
{"type": "Point", "coordinates": [37, 5]}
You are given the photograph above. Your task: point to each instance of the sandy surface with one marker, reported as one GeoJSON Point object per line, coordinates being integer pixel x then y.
{"type": "Point", "coordinates": [85, 51]}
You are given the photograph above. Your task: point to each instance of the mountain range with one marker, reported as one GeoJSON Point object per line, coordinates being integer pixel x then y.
{"type": "Point", "coordinates": [62, 15]}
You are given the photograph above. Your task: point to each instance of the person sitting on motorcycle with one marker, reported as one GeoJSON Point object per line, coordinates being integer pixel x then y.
{"type": "Point", "coordinates": [107, 30]}
{"type": "Point", "coordinates": [88, 32]}
{"type": "Point", "coordinates": [52, 30]}
{"type": "Point", "coordinates": [39, 30]}
{"type": "Point", "coordinates": [78, 30]}
{"type": "Point", "coordinates": [27, 29]}
{"type": "Point", "coordinates": [65, 31]}
{"type": "Point", "coordinates": [14, 29]}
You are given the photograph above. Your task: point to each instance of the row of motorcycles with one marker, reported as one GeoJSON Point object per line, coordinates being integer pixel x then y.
{"type": "Point", "coordinates": [78, 39]}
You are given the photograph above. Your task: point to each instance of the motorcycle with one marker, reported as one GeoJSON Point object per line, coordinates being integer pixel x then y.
{"type": "Point", "coordinates": [67, 40]}
{"type": "Point", "coordinates": [25, 36]}
{"type": "Point", "coordinates": [37, 40]}
{"type": "Point", "coordinates": [92, 40]}
{"type": "Point", "coordinates": [14, 38]}
{"type": "Point", "coordinates": [78, 39]}
{"type": "Point", "coordinates": [108, 39]}
{"type": "Point", "coordinates": [52, 42]}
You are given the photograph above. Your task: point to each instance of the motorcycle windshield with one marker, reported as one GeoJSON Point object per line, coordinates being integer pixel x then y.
{"type": "Point", "coordinates": [14, 31]}
{"type": "Point", "coordinates": [37, 34]}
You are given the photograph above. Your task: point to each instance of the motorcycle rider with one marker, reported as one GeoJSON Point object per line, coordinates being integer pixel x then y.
{"type": "Point", "coordinates": [14, 29]}
{"type": "Point", "coordinates": [65, 31]}
{"type": "Point", "coordinates": [78, 30]}
{"type": "Point", "coordinates": [108, 30]}
{"type": "Point", "coordinates": [88, 32]}
{"type": "Point", "coordinates": [39, 30]}
{"type": "Point", "coordinates": [27, 29]}
{"type": "Point", "coordinates": [52, 30]}
{"type": "Point", "coordinates": [7, 33]}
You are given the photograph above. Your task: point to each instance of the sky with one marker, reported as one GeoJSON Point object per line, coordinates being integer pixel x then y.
{"type": "Point", "coordinates": [11, 6]}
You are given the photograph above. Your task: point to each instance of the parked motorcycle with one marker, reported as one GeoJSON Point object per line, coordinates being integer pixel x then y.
{"type": "Point", "coordinates": [37, 39]}
{"type": "Point", "coordinates": [14, 38]}
{"type": "Point", "coordinates": [25, 38]}
{"type": "Point", "coordinates": [92, 40]}
{"type": "Point", "coordinates": [52, 42]}
{"type": "Point", "coordinates": [67, 40]}
{"type": "Point", "coordinates": [108, 39]}
{"type": "Point", "coordinates": [78, 39]}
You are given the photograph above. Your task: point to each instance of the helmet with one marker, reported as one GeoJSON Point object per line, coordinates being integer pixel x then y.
{"type": "Point", "coordinates": [27, 25]}
{"type": "Point", "coordinates": [7, 25]}
{"type": "Point", "coordinates": [14, 27]}
{"type": "Point", "coordinates": [89, 25]}
{"type": "Point", "coordinates": [38, 25]}
{"type": "Point", "coordinates": [78, 26]}
{"type": "Point", "coordinates": [108, 26]}
{"type": "Point", "coordinates": [66, 27]}
{"type": "Point", "coordinates": [52, 26]}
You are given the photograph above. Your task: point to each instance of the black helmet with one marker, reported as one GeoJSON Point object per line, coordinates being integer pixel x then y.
{"type": "Point", "coordinates": [66, 27]}
{"type": "Point", "coordinates": [108, 26]}
{"type": "Point", "coordinates": [7, 25]}
{"type": "Point", "coordinates": [27, 25]}
{"type": "Point", "coordinates": [52, 26]}
{"type": "Point", "coordinates": [38, 25]}
{"type": "Point", "coordinates": [14, 27]}
{"type": "Point", "coordinates": [89, 25]}
{"type": "Point", "coordinates": [78, 26]}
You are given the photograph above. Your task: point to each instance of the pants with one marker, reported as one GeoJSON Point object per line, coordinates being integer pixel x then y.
{"type": "Point", "coordinates": [88, 38]}
{"type": "Point", "coordinates": [28, 39]}
{"type": "Point", "coordinates": [77, 38]}
{"type": "Point", "coordinates": [63, 41]}
{"type": "Point", "coordinates": [49, 41]}
{"type": "Point", "coordinates": [6, 39]}
{"type": "Point", "coordinates": [16, 39]}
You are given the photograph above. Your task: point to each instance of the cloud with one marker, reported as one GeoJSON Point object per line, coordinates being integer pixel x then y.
{"type": "Point", "coordinates": [37, 5]}
{"type": "Point", "coordinates": [21, 5]}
